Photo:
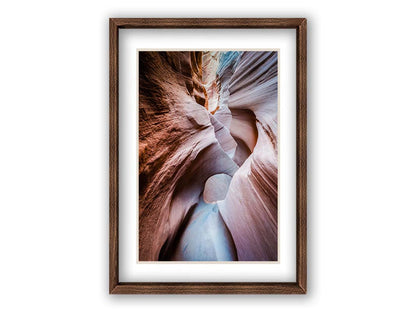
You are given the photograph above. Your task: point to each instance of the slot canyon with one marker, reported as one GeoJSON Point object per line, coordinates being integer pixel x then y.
{"type": "Point", "coordinates": [208, 156]}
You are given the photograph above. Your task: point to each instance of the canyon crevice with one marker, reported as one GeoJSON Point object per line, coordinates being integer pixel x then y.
{"type": "Point", "coordinates": [208, 156]}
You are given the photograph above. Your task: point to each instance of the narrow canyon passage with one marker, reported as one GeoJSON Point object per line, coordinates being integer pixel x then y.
{"type": "Point", "coordinates": [208, 156]}
{"type": "Point", "coordinates": [205, 237]}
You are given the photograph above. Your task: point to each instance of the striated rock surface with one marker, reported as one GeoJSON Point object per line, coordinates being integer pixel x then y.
{"type": "Point", "coordinates": [208, 156]}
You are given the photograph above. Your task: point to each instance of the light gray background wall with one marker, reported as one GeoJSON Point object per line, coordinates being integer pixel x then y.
{"type": "Point", "coordinates": [53, 168]}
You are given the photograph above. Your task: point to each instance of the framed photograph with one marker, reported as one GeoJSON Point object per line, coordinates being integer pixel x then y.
{"type": "Point", "coordinates": [207, 156]}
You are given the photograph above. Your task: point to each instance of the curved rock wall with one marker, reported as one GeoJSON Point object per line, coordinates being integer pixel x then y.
{"type": "Point", "coordinates": [207, 156]}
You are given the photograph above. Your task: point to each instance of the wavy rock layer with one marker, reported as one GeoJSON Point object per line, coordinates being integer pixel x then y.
{"type": "Point", "coordinates": [208, 156]}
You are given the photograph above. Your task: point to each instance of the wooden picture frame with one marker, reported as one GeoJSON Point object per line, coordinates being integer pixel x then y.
{"type": "Point", "coordinates": [298, 287]}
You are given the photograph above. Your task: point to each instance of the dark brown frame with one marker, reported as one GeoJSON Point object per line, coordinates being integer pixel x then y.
{"type": "Point", "coordinates": [298, 287]}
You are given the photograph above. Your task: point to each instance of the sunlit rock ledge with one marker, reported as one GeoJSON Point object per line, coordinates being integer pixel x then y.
{"type": "Point", "coordinates": [208, 156]}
